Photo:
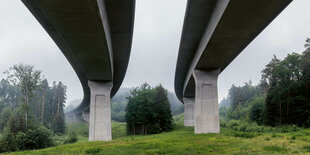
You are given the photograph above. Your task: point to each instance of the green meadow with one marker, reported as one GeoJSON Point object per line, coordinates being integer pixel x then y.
{"type": "Point", "coordinates": [182, 140]}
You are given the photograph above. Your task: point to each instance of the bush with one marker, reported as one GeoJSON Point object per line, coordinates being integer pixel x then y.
{"type": "Point", "coordinates": [17, 136]}
{"type": "Point", "coordinates": [71, 139]}
{"type": "Point", "coordinates": [239, 112]}
{"type": "Point", "coordinates": [7, 142]}
{"type": "Point", "coordinates": [31, 139]}
{"type": "Point", "coordinates": [243, 126]}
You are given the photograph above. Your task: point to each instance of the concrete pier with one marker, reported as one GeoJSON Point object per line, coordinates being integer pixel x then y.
{"type": "Point", "coordinates": [189, 111]}
{"type": "Point", "coordinates": [100, 111]}
{"type": "Point", "coordinates": [206, 102]}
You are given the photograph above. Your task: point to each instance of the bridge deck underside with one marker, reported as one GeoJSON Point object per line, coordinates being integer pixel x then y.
{"type": "Point", "coordinates": [240, 23]}
{"type": "Point", "coordinates": [96, 49]}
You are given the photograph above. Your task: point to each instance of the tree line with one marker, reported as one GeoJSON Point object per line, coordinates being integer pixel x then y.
{"type": "Point", "coordinates": [281, 98]}
{"type": "Point", "coordinates": [29, 106]}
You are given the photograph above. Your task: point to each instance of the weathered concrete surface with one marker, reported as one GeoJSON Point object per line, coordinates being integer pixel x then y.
{"type": "Point", "coordinates": [100, 111]}
{"type": "Point", "coordinates": [189, 111]}
{"type": "Point", "coordinates": [94, 35]}
{"type": "Point", "coordinates": [215, 32]}
{"type": "Point", "coordinates": [206, 102]}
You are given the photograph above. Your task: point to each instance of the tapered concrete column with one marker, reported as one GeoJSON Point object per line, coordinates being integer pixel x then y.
{"type": "Point", "coordinates": [189, 111]}
{"type": "Point", "coordinates": [100, 111]}
{"type": "Point", "coordinates": [206, 102]}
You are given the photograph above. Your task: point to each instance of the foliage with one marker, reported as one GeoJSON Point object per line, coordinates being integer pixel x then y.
{"type": "Point", "coordinates": [71, 139]}
{"type": "Point", "coordinates": [257, 110]}
{"type": "Point", "coordinates": [27, 80]}
{"type": "Point", "coordinates": [29, 108]}
{"type": "Point", "coordinates": [58, 124]}
{"type": "Point", "coordinates": [223, 111]}
{"type": "Point", "coordinates": [4, 117]}
{"type": "Point", "coordinates": [25, 88]}
{"type": "Point", "coordinates": [288, 82]}
{"type": "Point", "coordinates": [118, 111]}
{"type": "Point", "coordinates": [243, 126]}
{"type": "Point", "coordinates": [16, 138]}
{"type": "Point", "coordinates": [179, 119]}
{"type": "Point", "coordinates": [240, 95]}
{"type": "Point", "coordinates": [162, 109]}
{"type": "Point", "coordinates": [148, 110]}
{"type": "Point", "coordinates": [281, 98]}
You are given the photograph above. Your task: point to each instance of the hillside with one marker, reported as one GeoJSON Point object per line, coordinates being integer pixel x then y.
{"type": "Point", "coordinates": [182, 141]}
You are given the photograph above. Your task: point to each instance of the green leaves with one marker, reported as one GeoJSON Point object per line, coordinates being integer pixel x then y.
{"type": "Point", "coordinates": [148, 110]}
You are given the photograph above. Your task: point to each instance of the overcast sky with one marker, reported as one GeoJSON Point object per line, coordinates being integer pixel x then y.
{"type": "Point", "coordinates": [157, 32]}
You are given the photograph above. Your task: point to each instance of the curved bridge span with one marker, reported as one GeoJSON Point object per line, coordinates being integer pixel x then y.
{"type": "Point", "coordinates": [214, 33]}
{"type": "Point", "coordinates": [95, 36]}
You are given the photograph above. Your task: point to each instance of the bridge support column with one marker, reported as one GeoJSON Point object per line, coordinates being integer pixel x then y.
{"type": "Point", "coordinates": [189, 111]}
{"type": "Point", "coordinates": [100, 111]}
{"type": "Point", "coordinates": [206, 102]}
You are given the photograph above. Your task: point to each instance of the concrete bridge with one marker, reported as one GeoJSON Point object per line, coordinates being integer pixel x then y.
{"type": "Point", "coordinates": [95, 36]}
{"type": "Point", "coordinates": [214, 33]}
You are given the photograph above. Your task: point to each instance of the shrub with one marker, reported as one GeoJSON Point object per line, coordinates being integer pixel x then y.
{"type": "Point", "coordinates": [32, 138]}
{"type": "Point", "coordinates": [243, 126]}
{"type": "Point", "coordinates": [71, 139]}
{"type": "Point", "coordinates": [7, 142]}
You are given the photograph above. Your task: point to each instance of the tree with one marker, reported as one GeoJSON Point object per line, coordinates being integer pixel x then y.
{"type": "Point", "coordinates": [257, 110]}
{"type": "Point", "coordinates": [148, 110]}
{"type": "Point", "coordinates": [288, 98]}
{"type": "Point", "coordinates": [239, 95]}
{"type": "Point", "coordinates": [162, 108]}
{"type": "Point", "coordinates": [58, 123]}
{"type": "Point", "coordinates": [44, 87]}
{"type": "Point", "coordinates": [27, 79]}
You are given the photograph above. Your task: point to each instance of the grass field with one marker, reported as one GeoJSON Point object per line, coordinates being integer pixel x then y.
{"type": "Point", "coordinates": [182, 141]}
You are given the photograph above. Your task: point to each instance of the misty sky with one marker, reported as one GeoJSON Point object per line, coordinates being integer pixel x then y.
{"type": "Point", "coordinates": [157, 32]}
